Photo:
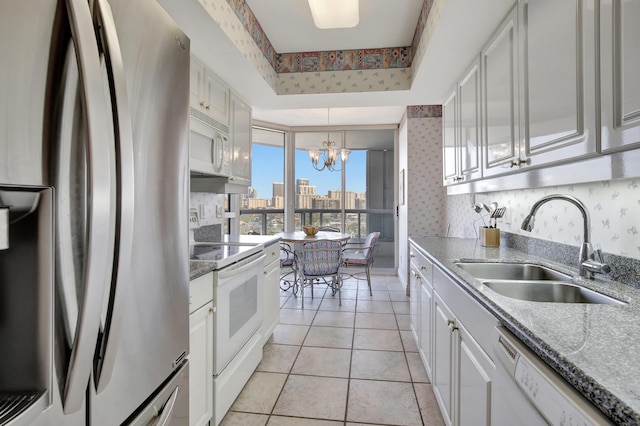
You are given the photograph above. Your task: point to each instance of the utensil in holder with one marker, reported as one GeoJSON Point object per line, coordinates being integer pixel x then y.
{"type": "Point", "coordinates": [490, 237]}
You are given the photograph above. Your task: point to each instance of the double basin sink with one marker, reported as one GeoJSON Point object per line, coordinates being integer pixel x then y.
{"type": "Point", "coordinates": [535, 283]}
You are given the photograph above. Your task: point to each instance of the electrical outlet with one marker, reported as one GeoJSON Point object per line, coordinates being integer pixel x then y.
{"type": "Point", "coordinates": [219, 212]}
{"type": "Point", "coordinates": [202, 211]}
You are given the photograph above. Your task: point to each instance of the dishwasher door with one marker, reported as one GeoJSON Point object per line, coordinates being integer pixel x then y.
{"type": "Point", "coordinates": [528, 392]}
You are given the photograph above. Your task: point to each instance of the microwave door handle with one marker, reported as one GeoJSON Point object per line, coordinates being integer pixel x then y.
{"type": "Point", "coordinates": [108, 346]}
{"type": "Point", "coordinates": [99, 180]}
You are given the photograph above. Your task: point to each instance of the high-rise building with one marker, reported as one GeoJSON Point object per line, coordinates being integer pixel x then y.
{"type": "Point", "coordinates": [252, 193]}
{"type": "Point", "coordinates": [278, 189]}
{"type": "Point", "coordinates": [277, 202]}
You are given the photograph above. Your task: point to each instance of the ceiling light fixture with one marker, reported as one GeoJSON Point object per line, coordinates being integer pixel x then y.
{"type": "Point", "coordinates": [329, 14]}
{"type": "Point", "coordinates": [328, 154]}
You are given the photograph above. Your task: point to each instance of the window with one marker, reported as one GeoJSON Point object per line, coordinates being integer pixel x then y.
{"type": "Point", "coordinates": [262, 209]}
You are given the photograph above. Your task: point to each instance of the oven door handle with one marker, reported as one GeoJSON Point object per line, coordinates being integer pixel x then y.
{"type": "Point", "coordinates": [232, 271]}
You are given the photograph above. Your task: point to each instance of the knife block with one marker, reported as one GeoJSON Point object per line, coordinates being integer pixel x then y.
{"type": "Point", "coordinates": [490, 237]}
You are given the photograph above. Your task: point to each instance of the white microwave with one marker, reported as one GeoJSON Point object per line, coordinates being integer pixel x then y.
{"type": "Point", "coordinates": [210, 150]}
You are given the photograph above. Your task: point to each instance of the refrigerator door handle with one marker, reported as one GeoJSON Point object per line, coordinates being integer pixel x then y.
{"type": "Point", "coordinates": [98, 269]}
{"type": "Point", "coordinates": [124, 221]}
{"type": "Point", "coordinates": [167, 410]}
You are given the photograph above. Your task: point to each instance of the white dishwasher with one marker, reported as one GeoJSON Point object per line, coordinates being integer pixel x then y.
{"type": "Point", "coordinates": [528, 392]}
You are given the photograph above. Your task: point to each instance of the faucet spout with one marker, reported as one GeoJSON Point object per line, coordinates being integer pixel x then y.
{"type": "Point", "coordinates": [587, 263]}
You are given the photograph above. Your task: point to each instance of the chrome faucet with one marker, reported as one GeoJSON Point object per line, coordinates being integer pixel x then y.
{"type": "Point", "coordinates": [587, 261]}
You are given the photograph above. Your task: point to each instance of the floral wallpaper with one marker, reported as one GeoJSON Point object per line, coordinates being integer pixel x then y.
{"type": "Point", "coordinates": [423, 111]}
{"type": "Point", "coordinates": [343, 81]}
{"type": "Point", "coordinates": [426, 197]}
{"type": "Point", "coordinates": [614, 208]}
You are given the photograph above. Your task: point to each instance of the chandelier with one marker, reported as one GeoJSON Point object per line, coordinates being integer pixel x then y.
{"type": "Point", "coordinates": [327, 156]}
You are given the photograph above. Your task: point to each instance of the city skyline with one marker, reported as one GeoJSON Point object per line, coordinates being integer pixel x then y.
{"type": "Point", "coordinates": [268, 167]}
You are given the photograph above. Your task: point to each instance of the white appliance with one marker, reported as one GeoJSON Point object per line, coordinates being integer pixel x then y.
{"type": "Point", "coordinates": [94, 174]}
{"type": "Point", "coordinates": [210, 151]}
{"type": "Point", "coordinates": [528, 392]}
{"type": "Point", "coordinates": [238, 294]}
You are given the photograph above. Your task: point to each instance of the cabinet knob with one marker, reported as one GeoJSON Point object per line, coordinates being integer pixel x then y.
{"type": "Point", "coordinates": [452, 325]}
{"type": "Point", "coordinates": [212, 310]}
{"type": "Point", "coordinates": [208, 107]}
{"type": "Point", "coordinates": [424, 268]}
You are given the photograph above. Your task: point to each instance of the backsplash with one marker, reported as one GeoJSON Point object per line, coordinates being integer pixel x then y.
{"type": "Point", "coordinates": [210, 202]}
{"type": "Point", "coordinates": [614, 207]}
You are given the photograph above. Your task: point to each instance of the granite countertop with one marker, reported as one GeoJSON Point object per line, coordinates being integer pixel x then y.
{"type": "Point", "coordinates": [594, 347]}
{"type": "Point", "coordinates": [198, 268]}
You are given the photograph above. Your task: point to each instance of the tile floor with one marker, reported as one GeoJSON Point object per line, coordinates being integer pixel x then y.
{"type": "Point", "coordinates": [355, 364]}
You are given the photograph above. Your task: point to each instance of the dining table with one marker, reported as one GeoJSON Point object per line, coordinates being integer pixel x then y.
{"type": "Point", "coordinates": [299, 237]}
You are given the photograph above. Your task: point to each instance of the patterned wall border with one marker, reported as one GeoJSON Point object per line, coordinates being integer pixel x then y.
{"type": "Point", "coordinates": [424, 111]}
{"type": "Point", "coordinates": [339, 60]}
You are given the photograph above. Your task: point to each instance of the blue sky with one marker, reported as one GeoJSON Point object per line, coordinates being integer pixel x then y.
{"type": "Point", "coordinates": [267, 166]}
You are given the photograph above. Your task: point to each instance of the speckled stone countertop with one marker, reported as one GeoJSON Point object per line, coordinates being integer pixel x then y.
{"type": "Point", "coordinates": [198, 268]}
{"type": "Point", "coordinates": [594, 347]}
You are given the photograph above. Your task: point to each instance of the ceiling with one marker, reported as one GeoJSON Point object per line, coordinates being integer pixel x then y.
{"type": "Point", "coordinates": [459, 34]}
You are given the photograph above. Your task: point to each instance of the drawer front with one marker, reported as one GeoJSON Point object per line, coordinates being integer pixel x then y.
{"type": "Point", "coordinates": [273, 254]}
{"type": "Point", "coordinates": [423, 265]}
{"type": "Point", "coordinates": [475, 318]}
{"type": "Point", "coordinates": [200, 291]}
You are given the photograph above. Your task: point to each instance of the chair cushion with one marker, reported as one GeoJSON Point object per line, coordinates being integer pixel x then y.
{"type": "Point", "coordinates": [354, 259]}
{"type": "Point", "coordinates": [286, 259]}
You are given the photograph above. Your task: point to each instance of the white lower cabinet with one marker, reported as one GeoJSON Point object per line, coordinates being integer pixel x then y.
{"type": "Point", "coordinates": [462, 371]}
{"type": "Point", "coordinates": [201, 351]}
{"type": "Point", "coordinates": [453, 333]}
{"type": "Point", "coordinates": [271, 292]}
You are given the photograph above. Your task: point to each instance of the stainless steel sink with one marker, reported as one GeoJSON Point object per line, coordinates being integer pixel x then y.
{"type": "Point", "coordinates": [512, 271]}
{"type": "Point", "coordinates": [549, 291]}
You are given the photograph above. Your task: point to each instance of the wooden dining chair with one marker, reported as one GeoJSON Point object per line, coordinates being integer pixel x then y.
{"type": "Point", "coordinates": [361, 255]}
{"type": "Point", "coordinates": [320, 260]}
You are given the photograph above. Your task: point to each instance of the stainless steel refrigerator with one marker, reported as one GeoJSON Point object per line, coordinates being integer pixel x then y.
{"type": "Point", "coordinates": [94, 187]}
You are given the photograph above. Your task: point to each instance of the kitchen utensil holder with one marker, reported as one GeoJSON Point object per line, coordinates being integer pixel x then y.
{"type": "Point", "coordinates": [489, 237]}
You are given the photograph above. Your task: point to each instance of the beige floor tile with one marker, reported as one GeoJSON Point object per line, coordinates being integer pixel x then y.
{"type": "Point", "coordinates": [370, 402]}
{"type": "Point", "coordinates": [428, 405]}
{"type": "Point", "coordinates": [379, 321]}
{"type": "Point", "coordinates": [287, 334]}
{"type": "Point", "coordinates": [297, 421]}
{"type": "Point", "coordinates": [381, 340]}
{"type": "Point", "coordinates": [416, 368]}
{"type": "Point", "coordinates": [396, 286]}
{"type": "Point", "coordinates": [278, 358]}
{"type": "Point", "coordinates": [401, 307]}
{"type": "Point", "coordinates": [374, 306]}
{"type": "Point", "coordinates": [322, 398]}
{"type": "Point", "coordinates": [332, 304]}
{"type": "Point", "coordinates": [330, 337]}
{"type": "Point", "coordinates": [349, 293]}
{"type": "Point", "coordinates": [295, 302]}
{"type": "Point", "coordinates": [334, 319]}
{"type": "Point", "coordinates": [379, 365]}
{"type": "Point", "coordinates": [404, 322]}
{"type": "Point", "coordinates": [234, 418]}
{"type": "Point", "coordinates": [260, 393]}
{"type": "Point", "coordinates": [328, 362]}
{"type": "Point", "coordinates": [408, 341]}
{"type": "Point", "coordinates": [296, 316]}
{"type": "Point", "coordinates": [381, 295]}
{"type": "Point", "coordinates": [398, 296]}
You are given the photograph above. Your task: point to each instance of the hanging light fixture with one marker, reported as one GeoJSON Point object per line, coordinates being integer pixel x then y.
{"type": "Point", "coordinates": [328, 154]}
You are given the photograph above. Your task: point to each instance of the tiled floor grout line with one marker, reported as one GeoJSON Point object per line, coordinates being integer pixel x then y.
{"type": "Point", "coordinates": [315, 309]}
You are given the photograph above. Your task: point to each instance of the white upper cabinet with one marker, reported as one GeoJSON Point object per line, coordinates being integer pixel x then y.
{"type": "Point", "coordinates": [462, 134]}
{"type": "Point", "coordinates": [241, 137]}
{"type": "Point", "coordinates": [500, 100]}
{"type": "Point", "coordinates": [469, 123]}
{"type": "Point", "coordinates": [209, 96]}
{"type": "Point", "coordinates": [450, 142]}
{"type": "Point", "coordinates": [620, 74]}
{"type": "Point", "coordinates": [557, 80]}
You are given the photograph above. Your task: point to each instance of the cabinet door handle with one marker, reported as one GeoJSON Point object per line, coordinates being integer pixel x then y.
{"type": "Point", "coordinates": [212, 310]}
{"type": "Point", "coordinates": [452, 325]}
{"type": "Point", "coordinates": [520, 162]}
